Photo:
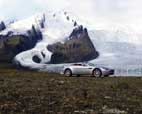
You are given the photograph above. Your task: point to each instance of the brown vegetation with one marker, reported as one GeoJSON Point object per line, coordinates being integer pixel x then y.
{"type": "Point", "coordinates": [29, 92]}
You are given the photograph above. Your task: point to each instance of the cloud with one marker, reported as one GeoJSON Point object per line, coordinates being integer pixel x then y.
{"type": "Point", "coordinates": [18, 8]}
{"type": "Point", "coordinates": [103, 14]}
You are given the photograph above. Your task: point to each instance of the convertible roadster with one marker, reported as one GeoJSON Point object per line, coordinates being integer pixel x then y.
{"type": "Point", "coordinates": [86, 69]}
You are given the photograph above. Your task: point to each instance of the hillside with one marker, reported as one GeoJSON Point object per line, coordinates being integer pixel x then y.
{"type": "Point", "coordinates": [118, 49]}
{"type": "Point", "coordinates": [27, 92]}
{"type": "Point", "coordinates": [37, 34]}
{"type": "Point", "coordinates": [12, 45]}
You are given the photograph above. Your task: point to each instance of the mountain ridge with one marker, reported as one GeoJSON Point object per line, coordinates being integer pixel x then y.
{"type": "Point", "coordinates": [55, 27]}
{"type": "Point", "coordinates": [113, 46]}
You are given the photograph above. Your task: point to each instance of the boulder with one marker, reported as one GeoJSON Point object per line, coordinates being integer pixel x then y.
{"type": "Point", "coordinates": [77, 48]}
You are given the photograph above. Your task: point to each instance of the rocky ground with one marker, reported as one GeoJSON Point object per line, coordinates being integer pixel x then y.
{"type": "Point", "coordinates": [29, 92]}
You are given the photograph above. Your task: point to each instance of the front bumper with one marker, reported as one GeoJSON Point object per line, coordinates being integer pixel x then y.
{"type": "Point", "coordinates": [111, 72]}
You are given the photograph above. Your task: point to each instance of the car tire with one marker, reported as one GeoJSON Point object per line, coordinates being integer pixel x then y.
{"type": "Point", "coordinates": [78, 75]}
{"type": "Point", "coordinates": [97, 73]}
{"type": "Point", "coordinates": [68, 72]}
{"type": "Point", "coordinates": [106, 75]}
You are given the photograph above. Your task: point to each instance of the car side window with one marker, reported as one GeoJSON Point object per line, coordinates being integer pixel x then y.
{"type": "Point", "coordinates": [84, 65]}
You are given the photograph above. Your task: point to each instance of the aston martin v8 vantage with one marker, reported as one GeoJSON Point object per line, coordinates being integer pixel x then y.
{"type": "Point", "coordinates": [86, 69]}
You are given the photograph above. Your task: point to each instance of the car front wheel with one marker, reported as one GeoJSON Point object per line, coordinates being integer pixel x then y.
{"type": "Point", "coordinates": [68, 72]}
{"type": "Point", "coordinates": [97, 73]}
{"type": "Point", "coordinates": [106, 75]}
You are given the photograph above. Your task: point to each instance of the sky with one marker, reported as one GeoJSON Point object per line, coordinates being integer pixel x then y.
{"type": "Point", "coordinates": [102, 14]}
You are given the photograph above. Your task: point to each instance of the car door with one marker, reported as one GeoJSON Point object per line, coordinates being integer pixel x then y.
{"type": "Point", "coordinates": [77, 69]}
{"type": "Point", "coordinates": [84, 69]}
{"type": "Point", "coordinates": [87, 69]}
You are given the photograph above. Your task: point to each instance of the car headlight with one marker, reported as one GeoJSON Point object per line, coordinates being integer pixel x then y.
{"type": "Point", "coordinates": [105, 68]}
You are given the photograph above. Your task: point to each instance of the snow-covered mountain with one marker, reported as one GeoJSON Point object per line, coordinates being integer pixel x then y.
{"type": "Point", "coordinates": [55, 27]}
{"type": "Point", "coordinates": [116, 48]}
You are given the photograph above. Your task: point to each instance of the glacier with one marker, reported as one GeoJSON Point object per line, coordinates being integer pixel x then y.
{"type": "Point", "coordinates": [119, 50]}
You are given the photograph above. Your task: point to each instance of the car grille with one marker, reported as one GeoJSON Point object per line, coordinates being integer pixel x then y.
{"type": "Point", "coordinates": [111, 72]}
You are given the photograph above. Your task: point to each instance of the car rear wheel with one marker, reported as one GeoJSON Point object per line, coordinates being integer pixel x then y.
{"type": "Point", "coordinates": [68, 72]}
{"type": "Point", "coordinates": [106, 75]}
{"type": "Point", "coordinates": [97, 73]}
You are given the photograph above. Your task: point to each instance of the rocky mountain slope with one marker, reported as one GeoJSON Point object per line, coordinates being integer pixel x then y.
{"type": "Point", "coordinates": [10, 46]}
{"type": "Point", "coordinates": [29, 41]}
{"type": "Point", "coordinates": [117, 49]}
{"type": "Point", "coordinates": [77, 48]}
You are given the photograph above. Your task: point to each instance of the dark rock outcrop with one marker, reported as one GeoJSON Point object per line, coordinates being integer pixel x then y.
{"type": "Point", "coordinates": [42, 22]}
{"type": "Point", "coordinates": [2, 26]}
{"type": "Point", "coordinates": [77, 48]}
{"type": "Point", "coordinates": [36, 59]}
{"type": "Point", "coordinates": [10, 46]}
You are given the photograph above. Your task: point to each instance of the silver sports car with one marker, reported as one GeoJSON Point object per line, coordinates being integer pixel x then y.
{"type": "Point", "coordinates": [86, 69]}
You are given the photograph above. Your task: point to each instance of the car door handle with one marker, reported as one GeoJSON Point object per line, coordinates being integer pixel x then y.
{"type": "Point", "coordinates": [89, 68]}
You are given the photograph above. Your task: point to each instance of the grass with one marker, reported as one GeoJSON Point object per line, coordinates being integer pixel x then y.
{"type": "Point", "coordinates": [30, 92]}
